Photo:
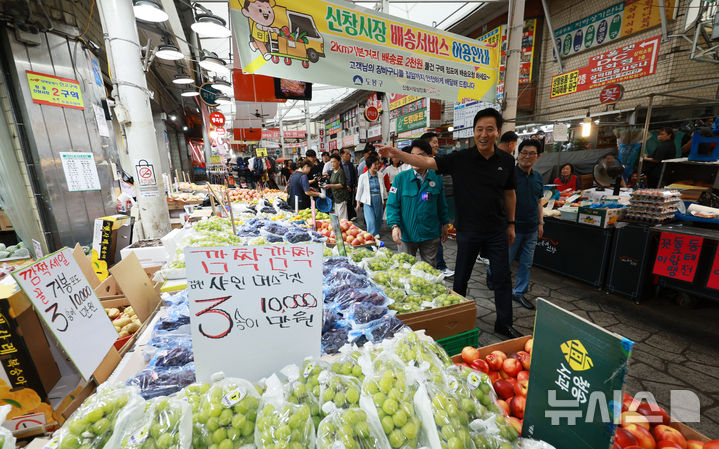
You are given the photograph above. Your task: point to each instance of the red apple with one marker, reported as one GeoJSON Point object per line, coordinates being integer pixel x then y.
{"type": "Point", "coordinates": [500, 355]}
{"type": "Point", "coordinates": [666, 433]}
{"type": "Point", "coordinates": [356, 242]}
{"type": "Point", "coordinates": [503, 389]}
{"type": "Point", "coordinates": [480, 365]}
{"type": "Point", "coordinates": [644, 438]}
{"type": "Point", "coordinates": [695, 444]}
{"type": "Point", "coordinates": [470, 354]}
{"type": "Point", "coordinates": [503, 406]}
{"type": "Point", "coordinates": [521, 388]}
{"type": "Point", "coordinates": [516, 423]}
{"type": "Point", "coordinates": [625, 438]}
{"type": "Point", "coordinates": [517, 406]}
{"type": "Point", "coordinates": [528, 345]}
{"type": "Point", "coordinates": [512, 367]}
{"type": "Point", "coordinates": [627, 402]}
{"type": "Point", "coordinates": [654, 413]}
{"type": "Point", "coordinates": [493, 376]}
{"type": "Point", "coordinates": [668, 444]}
{"type": "Point", "coordinates": [503, 375]}
{"type": "Point", "coordinates": [494, 362]}
{"type": "Point", "coordinates": [713, 444]}
{"type": "Point", "coordinates": [637, 418]}
{"type": "Point", "coordinates": [513, 355]}
{"type": "Point", "coordinates": [616, 446]}
{"type": "Point", "coordinates": [523, 375]}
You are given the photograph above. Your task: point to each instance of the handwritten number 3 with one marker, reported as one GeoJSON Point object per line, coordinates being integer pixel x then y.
{"type": "Point", "coordinates": [213, 309]}
{"type": "Point", "coordinates": [55, 315]}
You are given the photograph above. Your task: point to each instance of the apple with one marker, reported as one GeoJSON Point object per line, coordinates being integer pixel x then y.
{"type": "Point", "coordinates": [668, 444]}
{"type": "Point", "coordinates": [500, 355]}
{"type": "Point", "coordinates": [512, 367]}
{"type": "Point", "coordinates": [627, 402]}
{"type": "Point", "coordinates": [521, 388]}
{"type": "Point", "coordinates": [644, 438]}
{"type": "Point", "coordinates": [713, 444]}
{"type": "Point", "coordinates": [523, 375]}
{"type": "Point", "coordinates": [516, 423]}
{"type": "Point", "coordinates": [616, 446]}
{"type": "Point", "coordinates": [517, 405]}
{"type": "Point", "coordinates": [528, 345]}
{"type": "Point", "coordinates": [666, 433]}
{"type": "Point", "coordinates": [513, 356]}
{"type": "Point", "coordinates": [493, 376]}
{"type": "Point", "coordinates": [480, 365]}
{"type": "Point", "coordinates": [503, 389]}
{"type": "Point", "coordinates": [695, 444]}
{"type": "Point", "coordinates": [525, 359]}
{"type": "Point", "coordinates": [624, 438]}
{"type": "Point", "coordinates": [654, 413]}
{"type": "Point", "coordinates": [470, 354]}
{"type": "Point", "coordinates": [637, 418]}
{"type": "Point", "coordinates": [494, 362]}
{"type": "Point", "coordinates": [503, 406]}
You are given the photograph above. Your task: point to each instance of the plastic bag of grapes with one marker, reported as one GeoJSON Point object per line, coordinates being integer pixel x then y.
{"type": "Point", "coordinates": [378, 330]}
{"type": "Point", "coordinates": [444, 423]}
{"type": "Point", "coordinates": [7, 440]}
{"type": "Point", "coordinates": [493, 432]}
{"type": "Point", "coordinates": [93, 424]}
{"type": "Point", "coordinates": [456, 383]}
{"type": "Point", "coordinates": [166, 424]}
{"type": "Point", "coordinates": [347, 363]}
{"type": "Point", "coordinates": [303, 386]}
{"type": "Point", "coordinates": [388, 397]}
{"type": "Point", "coordinates": [415, 346]}
{"type": "Point", "coordinates": [426, 271]}
{"type": "Point", "coordinates": [350, 428]}
{"type": "Point", "coordinates": [225, 418]}
{"type": "Point", "coordinates": [282, 424]}
{"type": "Point", "coordinates": [338, 391]}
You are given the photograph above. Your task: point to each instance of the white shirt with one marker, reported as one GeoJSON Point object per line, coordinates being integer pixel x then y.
{"type": "Point", "coordinates": [327, 169]}
{"type": "Point", "coordinates": [392, 171]}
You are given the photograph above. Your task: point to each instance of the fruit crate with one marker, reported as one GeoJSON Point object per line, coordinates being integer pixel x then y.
{"type": "Point", "coordinates": [454, 344]}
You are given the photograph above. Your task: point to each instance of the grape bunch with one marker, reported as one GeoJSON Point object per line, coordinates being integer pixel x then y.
{"type": "Point", "coordinates": [342, 391]}
{"type": "Point", "coordinates": [402, 258]}
{"type": "Point", "coordinates": [426, 268]}
{"type": "Point", "coordinates": [349, 366]}
{"type": "Point", "coordinates": [306, 389]}
{"type": "Point", "coordinates": [392, 396]}
{"type": "Point", "coordinates": [348, 427]}
{"type": "Point", "coordinates": [225, 418]}
{"type": "Point", "coordinates": [297, 235]}
{"type": "Point", "coordinates": [93, 424]}
{"type": "Point", "coordinates": [285, 426]}
{"type": "Point", "coordinates": [360, 313]}
{"type": "Point", "coordinates": [360, 254]}
{"type": "Point", "coordinates": [163, 426]}
{"type": "Point", "coordinates": [448, 299]}
{"type": "Point", "coordinates": [421, 286]}
{"type": "Point", "coordinates": [451, 421]}
{"type": "Point", "coordinates": [379, 264]}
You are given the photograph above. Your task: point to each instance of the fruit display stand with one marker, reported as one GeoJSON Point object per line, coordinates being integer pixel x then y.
{"type": "Point", "coordinates": [443, 322]}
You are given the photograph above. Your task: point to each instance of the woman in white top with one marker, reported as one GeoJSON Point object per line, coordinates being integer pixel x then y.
{"type": "Point", "coordinates": [389, 172]}
{"type": "Point", "coordinates": [371, 193]}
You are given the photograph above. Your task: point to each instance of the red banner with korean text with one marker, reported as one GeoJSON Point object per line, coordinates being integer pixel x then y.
{"type": "Point", "coordinates": [678, 256]}
{"type": "Point", "coordinates": [621, 64]}
{"type": "Point", "coordinates": [713, 281]}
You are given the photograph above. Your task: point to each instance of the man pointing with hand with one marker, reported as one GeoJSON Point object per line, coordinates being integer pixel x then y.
{"type": "Point", "coordinates": [484, 183]}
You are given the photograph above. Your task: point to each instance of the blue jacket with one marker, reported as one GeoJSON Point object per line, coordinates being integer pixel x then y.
{"type": "Point", "coordinates": [419, 210]}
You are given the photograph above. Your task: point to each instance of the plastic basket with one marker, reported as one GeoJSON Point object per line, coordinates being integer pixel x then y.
{"type": "Point", "coordinates": [324, 205]}
{"type": "Point", "coordinates": [454, 344]}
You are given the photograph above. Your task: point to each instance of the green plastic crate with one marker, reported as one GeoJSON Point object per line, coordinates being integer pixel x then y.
{"type": "Point", "coordinates": [454, 344]}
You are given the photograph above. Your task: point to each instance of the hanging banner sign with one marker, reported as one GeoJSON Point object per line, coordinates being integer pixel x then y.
{"type": "Point", "coordinates": [275, 134]}
{"type": "Point", "coordinates": [713, 281]}
{"type": "Point", "coordinates": [621, 64]}
{"type": "Point", "coordinates": [217, 118]}
{"type": "Point", "coordinates": [326, 42]}
{"type": "Point", "coordinates": [209, 94]}
{"type": "Point", "coordinates": [69, 307]}
{"type": "Point", "coordinates": [54, 91]}
{"type": "Point", "coordinates": [254, 309]}
{"type": "Point", "coordinates": [613, 23]}
{"type": "Point", "coordinates": [678, 256]}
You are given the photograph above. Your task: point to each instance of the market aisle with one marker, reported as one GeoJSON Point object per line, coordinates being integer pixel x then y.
{"type": "Point", "coordinates": [672, 350]}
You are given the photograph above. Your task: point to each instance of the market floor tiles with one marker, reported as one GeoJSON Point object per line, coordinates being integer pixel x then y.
{"type": "Point", "coordinates": [675, 348]}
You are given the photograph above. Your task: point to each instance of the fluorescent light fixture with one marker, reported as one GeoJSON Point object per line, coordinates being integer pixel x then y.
{"type": "Point", "coordinates": [223, 99]}
{"type": "Point", "coordinates": [169, 52]}
{"type": "Point", "coordinates": [173, 117]}
{"type": "Point", "coordinates": [210, 25]}
{"type": "Point", "coordinates": [185, 128]}
{"type": "Point", "coordinates": [223, 86]}
{"type": "Point", "coordinates": [214, 64]}
{"type": "Point", "coordinates": [189, 93]}
{"type": "Point", "coordinates": [587, 127]}
{"type": "Point", "coordinates": [450, 128]}
{"type": "Point", "coordinates": [149, 11]}
{"type": "Point", "coordinates": [183, 78]}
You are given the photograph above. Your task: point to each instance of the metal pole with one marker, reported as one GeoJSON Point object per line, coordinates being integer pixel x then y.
{"type": "Point", "coordinates": [515, 25]}
{"type": "Point", "coordinates": [205, 135]}
{"type": "Point", "coordinates": [645, 134]}
{"type": "Point", "coordinates": [307, 124]}
{"type": "Point", "coordinates": [663, 17]}
{"type": "Point", "coordinates": [132, 94]}
{"type": "Point", "coordinates": [282, 134]}
{"type": "Point", "coordinates": [551, 34]}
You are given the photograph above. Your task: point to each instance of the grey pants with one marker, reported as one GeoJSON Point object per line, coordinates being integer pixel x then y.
{"type": "Point", "coordinates": [427, 250]}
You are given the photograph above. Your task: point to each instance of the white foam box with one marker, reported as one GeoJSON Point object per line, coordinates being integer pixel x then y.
{"type": "Point", "coordinates": [148, 256]}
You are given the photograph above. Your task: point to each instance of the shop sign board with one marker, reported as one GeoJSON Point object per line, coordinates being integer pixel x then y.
{"type": "Point", "coordinates": [678, 256]}
{"type": "Point", "coordinates": [217, 118]}
{"type": "Point", "coordinates": [713, 281]}
{"type": "Point", "coordinates": [80, 171]}
{"type": "Point", "coordinates": [412, 121]}
{"type": "Point", "coordinates": [209, 94]}
{"type": "Point", "coordinates": [576, 393]}
{"type": "Point", "coordinates": [611, 93]}
{"type": "Point", "coordinates": [332, 42]}
{"type": "Point", "coordinates": [397, 101]}
{"type": "Point", "coordinates": [610, 24]}
{"type": "Point", "coordinates": [69, 307]}
{"type": "Point", "coordinates": [621, 64]}
{"type": "Point", "coordinates": [374, 131]}
{"type": "Point", "coordinates": [334, 125]}
{"type": "Point", "coordinates": [464, 113]}
{"type": "Point", "coordinates": [261, 152]}
{"type": "Point", "coordinates": [560, 132]}
{"type": "Point", "coordinates": [54, 90]}
{"type": "Point", "coordinates": [288, 134]}
{"type": "Point", "coordinates": [18, 369]}
{"type": "Point", "coordinates": [527, 52]}
{"type": "Point", "coordinates": [371, 113]}
{"type": "Point", "coordinates": [221, 132]}
{"type": "Point", "coordinates": [254, 309]}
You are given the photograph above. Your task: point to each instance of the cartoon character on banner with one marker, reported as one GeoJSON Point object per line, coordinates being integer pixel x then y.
{"type": "Point", "coordinates": [261, 17]}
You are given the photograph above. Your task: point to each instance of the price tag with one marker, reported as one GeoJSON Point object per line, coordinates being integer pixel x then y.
{"type": "Point", "coordinates": [308, 369]}
{"type": "Point", "coordinates": [139, 437]}
{"type": "Point", "coordinates": [474, 380]}
{"type": "Point", "coordinates": [233, 397]}
{"type": "Point", "coordinates": [453, 385]}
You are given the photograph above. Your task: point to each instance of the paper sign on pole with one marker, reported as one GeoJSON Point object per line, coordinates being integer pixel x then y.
{"type": "Point", "coordinates": [69, 307]}
{"type": "Point", "coordinates": [342, 44]}
{"type": "Point", "coordinates": [576, 394]}
{"type": "Point", "coordinates": [254, 309]}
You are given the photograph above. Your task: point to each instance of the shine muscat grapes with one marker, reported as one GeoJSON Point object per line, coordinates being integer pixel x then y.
{"type": "Point", "coordinates": [284, 426]}
{"type": "Point", "coordinates": [342, 391]}
{"type": "Point", "coordinates": [306, 389]}
{"type": "Point", "coordinates": [162, 426]}
{"type": "Point", "coordinates": [450, 420]}
{"type": "Point", "coordinates": [348, 427]}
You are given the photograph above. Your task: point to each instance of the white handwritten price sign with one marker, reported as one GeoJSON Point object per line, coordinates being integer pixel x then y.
{"type": "Point", "coordinates": [254, 309]}
{"type": "Point", "coordinates": [64, 299]}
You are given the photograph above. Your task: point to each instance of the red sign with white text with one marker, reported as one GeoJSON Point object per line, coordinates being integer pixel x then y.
{"type": "Point", "coordinates": [611, 93]}
{"type": "Point", "coordinates": [217, 119]}
{"type": "Point", "coordinates": [371, 113]}
{"type": "Point", "coordinates": [621, 64]}
{"type": "Point", "coordinates": [678, 256]}
{"type": "Point", "coordinates": [713, 281]}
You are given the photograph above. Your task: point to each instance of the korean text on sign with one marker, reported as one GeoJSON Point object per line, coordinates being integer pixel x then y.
{"type": "Point", "coordinates": [65, 301]}
{"type": "Point", "coordinates": [262, 304]}
{"type": "Point", "coordinates": [678, 256]}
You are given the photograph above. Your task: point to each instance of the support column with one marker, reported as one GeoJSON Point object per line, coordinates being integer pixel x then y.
{"type": "Point", "coordinates": [307, 123]}
{"type": "Point", "coordinates": [133, 98]}
{"type": "Point", "coordinates": [515, 22]}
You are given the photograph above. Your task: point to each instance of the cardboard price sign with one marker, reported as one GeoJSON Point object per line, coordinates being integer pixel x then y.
{"type": "Point", "coordinates": [254, 309]}
{"type": "Point", "coordinates": [69, 307]}
{"type": "Point", "coordinates": [582, 372]}
{"type": "Point", "coordinates": [678, 256]}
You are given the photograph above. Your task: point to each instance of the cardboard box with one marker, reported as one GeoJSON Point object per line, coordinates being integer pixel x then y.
{"type": "Point", "coordinates": [104, 238]}
{"type": "Point", "coordinates": [443, 322]}
{"type": "Point", "coordinates": [601, 218]}
{"type": "Point", "coordinates": [507, 346]}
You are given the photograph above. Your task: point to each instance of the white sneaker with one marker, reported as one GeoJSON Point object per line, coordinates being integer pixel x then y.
{"type": "Point", "coordinates": [481, 259]}
{"type": "Point", "coordinates": [448, 273]}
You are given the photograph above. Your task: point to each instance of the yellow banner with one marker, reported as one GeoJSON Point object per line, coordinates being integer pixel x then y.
{"type": "Point", "coordinates": [54, 91]}
{"type": "Point", "coordinates": [262, 152]}
{"type": "Point", "coordinates": [403, 101]}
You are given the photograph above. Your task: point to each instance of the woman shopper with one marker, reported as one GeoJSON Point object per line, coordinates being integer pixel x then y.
{"type": "Point", "coordinates": [371, 193]}
{"type": "Point", "coordinates": [338, 187]}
